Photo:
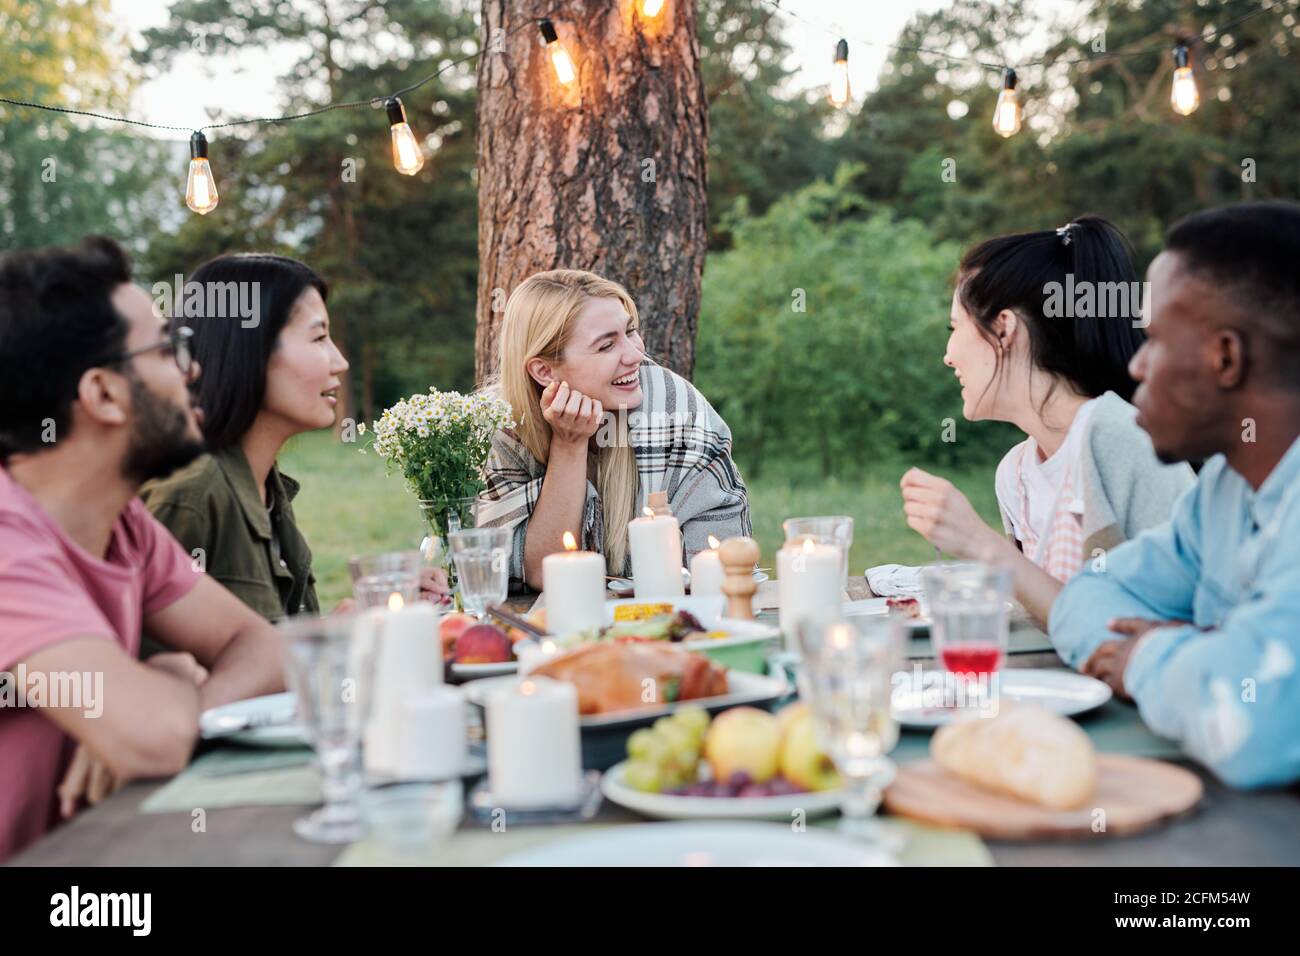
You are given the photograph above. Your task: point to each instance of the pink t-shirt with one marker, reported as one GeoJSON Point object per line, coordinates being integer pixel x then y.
{"type": "Point", "coordinates": [52, 590]}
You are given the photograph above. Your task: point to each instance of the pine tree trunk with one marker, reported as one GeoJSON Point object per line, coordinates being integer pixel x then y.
{"type": "Point", "coordinates": [608, 174]}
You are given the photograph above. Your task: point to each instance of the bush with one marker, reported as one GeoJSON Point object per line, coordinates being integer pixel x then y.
{"type": "Point", "coordinates": [858, 374]}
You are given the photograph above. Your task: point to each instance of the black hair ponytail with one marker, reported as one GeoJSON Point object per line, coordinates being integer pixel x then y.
{"type": "Point", "coordinates": [1077, 292]}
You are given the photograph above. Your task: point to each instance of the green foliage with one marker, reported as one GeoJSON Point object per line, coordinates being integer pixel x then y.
{"type": "Point", "coordinates": [822, 335]}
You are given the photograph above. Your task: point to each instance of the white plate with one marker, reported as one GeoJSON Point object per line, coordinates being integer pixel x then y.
{"type": "Point", "coordinates": [745, 689]}
{"type": "Point", "coordinates": [1062, 692]}
{"type": "Point", "coordinates": [702, 844]}
{"type": "Point", "coordinates": [624, 585]}
{"type": "Point", "coordinates": [664, 806]}
{"type": "Point", "coordinates": [273, 714]}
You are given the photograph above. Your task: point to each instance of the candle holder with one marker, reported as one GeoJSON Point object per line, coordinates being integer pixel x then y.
{"type": "Point", "coordinates": [487, 810]}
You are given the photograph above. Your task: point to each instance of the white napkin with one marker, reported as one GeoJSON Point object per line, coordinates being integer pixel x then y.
{"type": "Point", "coordinates": [895, 580]}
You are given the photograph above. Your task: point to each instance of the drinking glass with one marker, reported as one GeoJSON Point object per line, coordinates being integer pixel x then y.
{"type": "Point", "coordinates": [377, 577]}
{"type": "Point", "coordinates": [482, 557]}
{"type": "Point", "coordinates": [825, 529]}
{"type": "Point", "coordinates": [969, 606]}
{"type": "Point", "coordinates": [846, 673]}
{"type": "Point", "coordinates": [329, 664]}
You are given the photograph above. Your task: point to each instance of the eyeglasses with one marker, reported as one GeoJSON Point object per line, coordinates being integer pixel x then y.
{"type": "Point", "coordinates": [176, 341]}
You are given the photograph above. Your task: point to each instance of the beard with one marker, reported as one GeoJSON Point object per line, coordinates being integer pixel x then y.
{"type": "Point", "coordinates": [160, 439]}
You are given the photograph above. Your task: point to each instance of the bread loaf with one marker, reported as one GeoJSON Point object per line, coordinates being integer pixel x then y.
{"type": "Point", "coordinates": [1025, 751]}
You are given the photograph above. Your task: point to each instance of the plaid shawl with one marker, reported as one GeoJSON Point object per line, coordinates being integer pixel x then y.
{"type": "Point", "coordinates": [682, 447]}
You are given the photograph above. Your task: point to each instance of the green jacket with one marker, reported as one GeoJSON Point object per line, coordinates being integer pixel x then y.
{"type": "Point", "coordinates": [213, 504]}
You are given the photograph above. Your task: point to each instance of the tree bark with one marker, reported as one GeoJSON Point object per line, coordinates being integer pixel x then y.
{"type": "Point", "coordinates": [608, 174]}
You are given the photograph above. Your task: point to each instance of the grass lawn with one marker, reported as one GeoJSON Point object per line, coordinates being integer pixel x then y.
{"type": "Point", "coordinates": [348, 505]}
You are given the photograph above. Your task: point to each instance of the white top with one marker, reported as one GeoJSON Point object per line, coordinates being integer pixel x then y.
{"type": "Point", "coordinates": [1043, 479]}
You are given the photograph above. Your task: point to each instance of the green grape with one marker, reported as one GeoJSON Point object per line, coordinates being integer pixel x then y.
{"type": "Point", "coordinates": [642, 743]}
{"type": "Point", "coordinates": [644, 776]}
{"type": "Point", "coordinates": [694, 719]}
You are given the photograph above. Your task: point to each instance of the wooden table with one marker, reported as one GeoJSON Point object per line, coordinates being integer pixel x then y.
{"type": "Point", "coordinates": [1230, 828]}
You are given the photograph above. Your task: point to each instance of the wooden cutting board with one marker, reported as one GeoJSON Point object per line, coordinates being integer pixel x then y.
{"type": "Point", "coordinates": [1133, 794]}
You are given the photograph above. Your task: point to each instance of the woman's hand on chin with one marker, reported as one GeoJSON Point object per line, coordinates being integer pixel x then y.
{"type": "Point", "coordinates": [943, 516]}
{"type": "Point", "coordinates": [573, 417]}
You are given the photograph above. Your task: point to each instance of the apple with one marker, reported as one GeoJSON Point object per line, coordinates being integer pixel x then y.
{"type": "Point", "coordinates": [483, 644]}
{"type": "Point", "coordinates": [803, 761]}
{"type": "Point", "coordinates": [743, 740]}
{"type": "Point", "coordinates": [453, 626]}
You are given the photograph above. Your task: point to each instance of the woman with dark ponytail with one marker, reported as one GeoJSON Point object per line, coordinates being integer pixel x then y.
{"type": "Point", "coordinates": [1044, 325]}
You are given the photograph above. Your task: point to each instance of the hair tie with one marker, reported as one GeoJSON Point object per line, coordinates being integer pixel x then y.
{"type": "Point", "coordinates": [1064, 233]}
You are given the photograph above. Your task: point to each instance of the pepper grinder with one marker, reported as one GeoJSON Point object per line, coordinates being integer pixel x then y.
{"type": "Point", "coordinates": [739, 557]}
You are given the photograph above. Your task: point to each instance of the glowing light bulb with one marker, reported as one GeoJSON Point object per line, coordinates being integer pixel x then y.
{"type": "Point", "coordinates": [200, 187]}
{"type": "Point", "coordinates": [407, 156]}
{"type": "Point", "coordinates": [840, 75]}
{"type": "Point", "coordinates": [651, 8]}
{"type": "Point", "coordinates": [1006, 115]}
{"type": "Point", "coordinates": [560, 59]}
{"type": "Point", "coordinates": [1183, 96]}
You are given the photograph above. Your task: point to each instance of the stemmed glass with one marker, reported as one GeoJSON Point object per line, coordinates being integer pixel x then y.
{"type": "Point", "coordinates": [329, 666]}
{"type": "Point", "coordinates": [846, 673]}
{"type": "Point", "coordinates": [482, 557]}
{"type": "Point", "coordinates": [969, 621]}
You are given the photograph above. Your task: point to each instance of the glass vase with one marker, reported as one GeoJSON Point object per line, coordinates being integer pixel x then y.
{"type": "Point", "coordinates": [441, 517]}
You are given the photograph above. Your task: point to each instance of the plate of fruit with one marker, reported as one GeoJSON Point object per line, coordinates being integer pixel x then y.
{"type": "Point", "coordinates": [474, 648]}
{"type": "Point", "coordinates": [745, 763]}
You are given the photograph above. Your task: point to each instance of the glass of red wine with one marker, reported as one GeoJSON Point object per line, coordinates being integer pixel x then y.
{"type": "Point", "coordinates": [969, 605]}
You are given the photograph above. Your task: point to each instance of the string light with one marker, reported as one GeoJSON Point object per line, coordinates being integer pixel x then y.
{"type": "Point", "coordinates": [651, 8]}
{"type": "Point", "coordinates": [1183, 95]}
{"type": "Point", "coordinates": [408, 158]}
{"type": "Point", "coordinates": [840, 75]}
{"type": "Point", "coordinates": [564, 71]}
{"type": "Point", "coordinates": [200, 187]}
{"type": "Point", "coordinates": [1006, 115]}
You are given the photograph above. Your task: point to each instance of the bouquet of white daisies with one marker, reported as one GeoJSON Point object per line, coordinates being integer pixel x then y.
{"type": "Point", "coordinates": [440, 442]}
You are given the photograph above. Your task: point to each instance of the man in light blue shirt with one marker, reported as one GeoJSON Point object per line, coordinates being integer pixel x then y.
{"type": "Point", "coordinates": [1198, 620]}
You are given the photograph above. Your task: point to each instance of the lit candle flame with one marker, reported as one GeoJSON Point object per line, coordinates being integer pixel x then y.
{"type": "Point", "coordinates": [714, 543]}
{"type": "Point", "coordinates": [528, 688]}
{"type": "Point", "coordinates": [648, 512]}
{"type": "Point", "coordinates": [395, 602]}
{"type": "Point", "coordinates": [548, 647]}
{"type": "Point", "coordinates": [570, 543]}
{"type": "Point", "coordinates": [808, 546]}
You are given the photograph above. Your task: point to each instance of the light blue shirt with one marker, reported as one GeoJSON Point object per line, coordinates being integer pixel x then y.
{"type": "Point", "coordinates": [1227, 687]}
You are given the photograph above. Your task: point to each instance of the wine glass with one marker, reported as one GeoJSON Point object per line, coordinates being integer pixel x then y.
{"type": "Point", "coordinates": [846, 673]}
{"type": "Point", "coordinates": [329, 665]}
{"type": "Point", "coordinates": [482, 557]}
{"type": "Point", "coordinates": [969, 621]}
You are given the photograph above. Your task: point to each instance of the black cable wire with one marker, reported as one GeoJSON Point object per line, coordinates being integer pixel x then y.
{"type": "Point", "coordinates": [288, 118]}
{"type": "Point", "coordinates": [1203, 37]}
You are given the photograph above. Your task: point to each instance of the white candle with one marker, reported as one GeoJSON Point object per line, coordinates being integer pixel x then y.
{"type": "Point", "coordinates": [810, 578]}
{"type": "Point", "coordinates": [534, 749]}
{"type": "Point", "coordinates": [433, 743]}
{"type": "Point", "coordinates": [706, 571]}
{"type": "Point", "coordinates": [656, 545]}
{"type": "Point", "coordinates": [533, 654]}
{"type": "Point", "coordinates": [408, 662]}
{"type": "Point", "coordinates": [574, 584]}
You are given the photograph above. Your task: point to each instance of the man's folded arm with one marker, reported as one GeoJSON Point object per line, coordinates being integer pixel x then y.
{"type": "Point", "coordinates": [1152, 576]}
{"type": "Point", "coordinates": [142, 721]}
{"type": "Point", "coordinates": [1230, 695]}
